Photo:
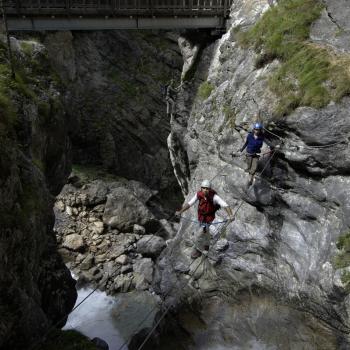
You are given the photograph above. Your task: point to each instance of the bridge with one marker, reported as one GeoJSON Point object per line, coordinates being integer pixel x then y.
{"type": "Point", "coordinates": [37, 15]}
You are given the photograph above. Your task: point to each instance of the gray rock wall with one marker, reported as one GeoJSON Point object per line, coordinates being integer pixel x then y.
{"type": "Point", "coordinates": [116, 109]}
{"type": "Point", "coordinates": [283, 241]}
{"type": "Point", "coordinates": [36, 287]}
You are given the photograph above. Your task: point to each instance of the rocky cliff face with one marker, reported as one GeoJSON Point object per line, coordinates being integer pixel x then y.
{"type": "Point", "coordinates": [36, 287]}
{"type": "Point", "coordinates": [114, 99]}
{"type": "Point", "coordinates": [277, 257]}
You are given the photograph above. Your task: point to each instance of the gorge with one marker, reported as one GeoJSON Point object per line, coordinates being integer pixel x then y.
{"type": "Point", "coordinates": [277, 276]}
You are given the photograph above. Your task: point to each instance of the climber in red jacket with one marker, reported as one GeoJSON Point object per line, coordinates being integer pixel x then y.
{"type": "Point", "coordinates": [208, 203]}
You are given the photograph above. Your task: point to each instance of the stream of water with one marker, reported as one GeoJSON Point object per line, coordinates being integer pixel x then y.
{"type": "Point", "coordinates": [94, 318]}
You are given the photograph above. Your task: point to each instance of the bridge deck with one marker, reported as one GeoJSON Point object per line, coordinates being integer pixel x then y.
{"type": "Point", "coordinates": [118, 7]}
{"type": "Point", "coordinates": [115, 14]}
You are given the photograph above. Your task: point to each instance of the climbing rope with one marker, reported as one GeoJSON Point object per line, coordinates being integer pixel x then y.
{"type": "Point", "coordinates": [105, 280]}
{"type": "Point", "coordinates": [99, 285]}
{"type": "Point", "coordinates": [170, 289]}
{"type": "Point", "coordinates": [203, 259]}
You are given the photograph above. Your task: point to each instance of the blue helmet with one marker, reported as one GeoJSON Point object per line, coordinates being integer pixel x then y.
{"type": "Point", "coordinates": [258, 126]}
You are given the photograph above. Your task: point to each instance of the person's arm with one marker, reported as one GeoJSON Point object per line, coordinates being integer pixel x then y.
{"type": "Point", "coordinates": [245, 145]}
{"type": "Point", "coordinates": [223, 204]}
{"type": "Point", "coordinates": [179, 87]}
{"type": "Point", "coordinates": [187, 205]}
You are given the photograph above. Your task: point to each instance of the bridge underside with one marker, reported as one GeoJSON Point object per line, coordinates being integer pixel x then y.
{"type": "Point", "coordinates": [105, 23]}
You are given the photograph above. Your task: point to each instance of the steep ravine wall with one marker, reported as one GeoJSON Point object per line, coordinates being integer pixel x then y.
{"type": "Point", "coordinates": [114, 100]}
{"type": "Point", "coordinates": [36, 287]}
{"type": "Point", "coordinates": [277, 257]}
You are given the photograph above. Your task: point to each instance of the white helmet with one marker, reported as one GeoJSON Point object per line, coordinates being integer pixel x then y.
{"type": "Point", "coordinates": [206, 183]}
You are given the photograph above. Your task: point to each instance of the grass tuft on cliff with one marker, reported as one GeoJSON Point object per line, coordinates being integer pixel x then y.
{"type": "Point", "coordinates": [205, 89]}
{"type": "Point", "coordinates": [309, 75]}
{"type": "Point", "coordinates": [342, 259]}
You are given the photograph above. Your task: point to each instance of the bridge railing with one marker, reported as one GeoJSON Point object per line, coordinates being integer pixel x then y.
{"type": "Point", "coordinates": [119, 7]}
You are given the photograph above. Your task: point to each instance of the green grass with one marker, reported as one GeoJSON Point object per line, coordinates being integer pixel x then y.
{"type": "Point", "coordinates": [204, 90]}
{"type": "Point", "coordinates": [68, 340]}
{"type": "Point", "coordinates": [342, 259]}
{"type": "Point", "coordinates": [309, 75]}
{"type": "Point", "coordinates": [230, 116]}
{"type": "Point", "coordinates": [27, 48]}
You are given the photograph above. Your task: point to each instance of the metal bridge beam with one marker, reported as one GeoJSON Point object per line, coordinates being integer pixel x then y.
{"type": "Point", "coordinates": [89, 23]}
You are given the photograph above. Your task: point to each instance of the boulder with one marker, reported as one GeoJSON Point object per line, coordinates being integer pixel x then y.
{"type": "Point", "coordinates": [96, 193]}
{"type": "Point", "coordinates": [86, 264]}
{"type": "Point", "coordinates": [123, 209]}
{"type": "Point", "coordinates": [150, 245]}
{"type": "Point", "coordinates": [140, 282]}
{"type": "Point", "coordinates": [100, 343]}
{"type": "Point", "coordinates": [122, 259]}
{"type": "Point", "coordinates": [145, 268]}
{"type": "Point", "coordinates": [74, 242]}
{"type": "Point", "coordinates": [139, 230]}
{"type": "Point", "coordinates": [97, 227]}
{"type": "Point", "coordinates": [122, 283]}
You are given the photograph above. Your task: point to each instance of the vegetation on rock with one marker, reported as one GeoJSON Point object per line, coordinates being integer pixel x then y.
{"type": "Point", "coordinates": [342, 260]}
{"type": "Point", "coordinates": [205, 89]}
{"type": "Point", "coordinates": [308, 75]}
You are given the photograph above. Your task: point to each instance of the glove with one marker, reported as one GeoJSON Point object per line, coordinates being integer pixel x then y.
{"type": "Point", "coordinates": [177, 214]}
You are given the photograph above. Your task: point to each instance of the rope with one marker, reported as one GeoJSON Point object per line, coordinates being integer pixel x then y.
{"type": "Point", "coordinates": [116, 270]}
{"type": "Point", "coordinates": [168, 307]}
{"type": "Point", "coordinates": [203, 258]}
{"type": "Point", "coordinates": [155, 307]}
{"type": "Point", "coordinates": [315, 146]}
{"type": "Point", "coordinates": [198, 222]}
{"type": "Point", "coordinates": [270, 132]}
{"type": "Point", "coordinates": [54, 326]}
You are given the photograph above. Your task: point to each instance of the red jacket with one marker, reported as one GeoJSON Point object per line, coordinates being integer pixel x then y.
{"type": "Point", "coordinates": [206, 207]}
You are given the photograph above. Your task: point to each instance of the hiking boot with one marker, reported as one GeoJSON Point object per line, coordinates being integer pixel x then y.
{"type": "Point", "coordinates": [195, 254]}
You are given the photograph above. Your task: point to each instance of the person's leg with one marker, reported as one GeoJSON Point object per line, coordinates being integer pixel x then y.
{"type": "Point", "coordinates": [253, 168]}
{"type": "Point", "coordinates": [201, 241]}
{"type": "Point", "coordinates": [248, 159]}
{"type": "Point", "coordinates": [254, 165]}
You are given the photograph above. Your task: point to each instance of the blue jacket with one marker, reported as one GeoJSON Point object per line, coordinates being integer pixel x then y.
{"type": "Point", "coordinates": [253, 144]}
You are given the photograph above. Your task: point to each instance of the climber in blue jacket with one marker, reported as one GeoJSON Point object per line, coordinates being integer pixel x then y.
{"type": "Point", "coordinates": [253, 143]}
